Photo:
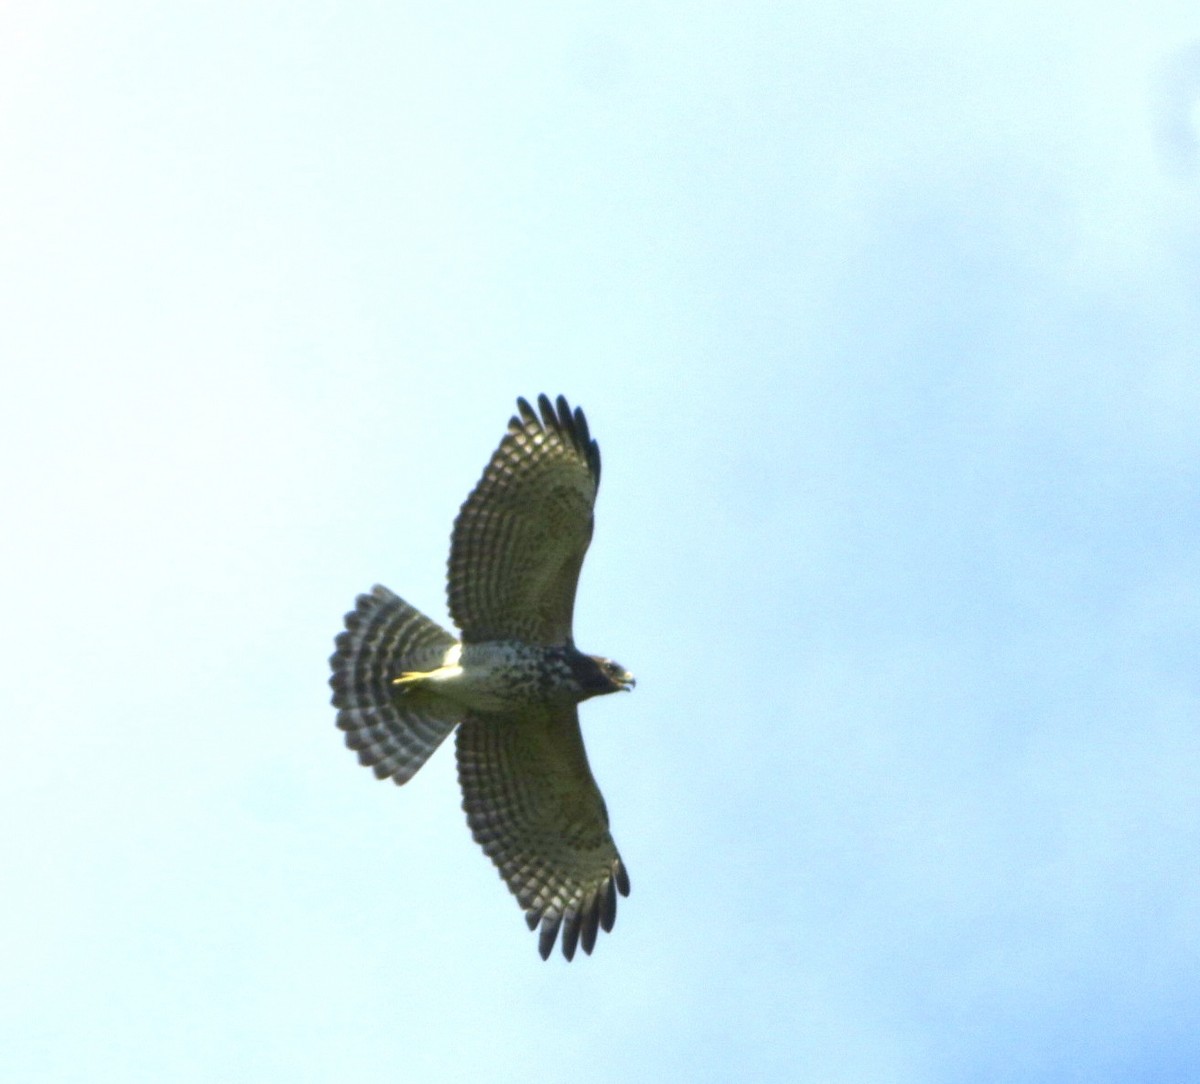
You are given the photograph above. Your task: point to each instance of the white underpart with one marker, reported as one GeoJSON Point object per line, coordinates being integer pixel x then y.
{"type": "Point", "coordinates": [450, 670]}
{"type": "Point", "coordinates": [479, 676]}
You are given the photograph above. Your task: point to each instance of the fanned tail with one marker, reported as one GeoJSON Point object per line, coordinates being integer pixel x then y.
{"type": "Point", "coordinates": [394, 732]}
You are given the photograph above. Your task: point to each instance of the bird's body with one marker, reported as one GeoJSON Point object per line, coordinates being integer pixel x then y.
{"type": "Point", "coordinates": [510, 682]}
{"type": "Point", "coordinates": [507, 675]}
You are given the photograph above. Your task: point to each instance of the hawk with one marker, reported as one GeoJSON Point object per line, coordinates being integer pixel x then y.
{"type": "Point", "coordinates": [510, 682]}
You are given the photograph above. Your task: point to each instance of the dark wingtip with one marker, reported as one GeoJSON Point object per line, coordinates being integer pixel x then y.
{"type": "Point", "coordinates": [572, 922]}
{"type": "Point", "coordinates": [621, 876]}
{"type": "Point", "coordinates": [581, 921]}
{"type": "Point", "coordinates": [549, 934]}
{"type": "Point", "coordinates": [591, 924]}
{"type": "Point", "coordinates": [559, 417]}
{"type": "Point", "coordinates": [525, 414]}
{"type": "Point", "coordinates": [606, 906]}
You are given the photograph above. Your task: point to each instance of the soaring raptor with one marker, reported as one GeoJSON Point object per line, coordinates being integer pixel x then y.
{"type": "Point", "coordinates": [510, 682]}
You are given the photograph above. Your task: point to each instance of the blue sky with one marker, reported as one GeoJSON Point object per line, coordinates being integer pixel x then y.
{"type": "Point", "coordinates": [886, 320]}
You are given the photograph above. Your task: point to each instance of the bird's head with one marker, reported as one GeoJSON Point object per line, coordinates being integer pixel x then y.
{"type": "Point", "coordinates": [599, 675]}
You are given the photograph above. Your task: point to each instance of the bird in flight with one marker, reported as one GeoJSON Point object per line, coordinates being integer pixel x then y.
{"type": "Point", "coordinates": [510, 682]}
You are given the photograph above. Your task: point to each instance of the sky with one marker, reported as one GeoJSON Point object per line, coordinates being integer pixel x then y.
{"type": "Point", "coordinates": [886, 318]}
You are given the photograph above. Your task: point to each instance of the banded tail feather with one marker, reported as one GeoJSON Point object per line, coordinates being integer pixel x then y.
{"type": "Point", "coordinates": [394, 732]}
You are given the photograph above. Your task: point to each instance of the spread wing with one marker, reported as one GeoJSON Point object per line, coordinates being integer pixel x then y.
{"type": "Point", "coordinates": [521, 535]}
{"type": "Point", "coordinates": [534, 807]}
